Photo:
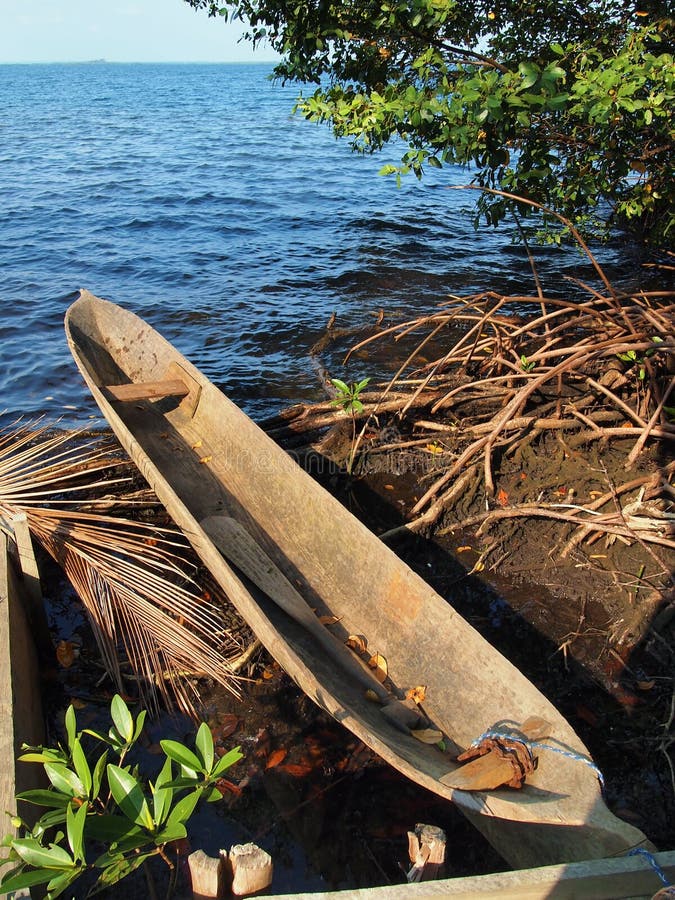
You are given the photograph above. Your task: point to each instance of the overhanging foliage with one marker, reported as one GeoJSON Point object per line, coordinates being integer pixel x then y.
{"type": "Point", "coordinates": [561, 103]}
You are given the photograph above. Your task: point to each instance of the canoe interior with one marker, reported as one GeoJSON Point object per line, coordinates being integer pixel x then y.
{"type": "Point", "coordinates": [204, 457]}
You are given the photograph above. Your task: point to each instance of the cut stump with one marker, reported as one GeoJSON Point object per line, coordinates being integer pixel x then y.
{"type": "Point", "coordinates": [426, 849]}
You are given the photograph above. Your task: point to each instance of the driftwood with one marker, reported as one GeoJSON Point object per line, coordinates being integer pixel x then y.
{"type": "Point", "coordinates": [603, 360]}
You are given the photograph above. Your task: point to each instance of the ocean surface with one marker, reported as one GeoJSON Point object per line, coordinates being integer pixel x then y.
{"type": "Point", "coordinates": [192, 195]}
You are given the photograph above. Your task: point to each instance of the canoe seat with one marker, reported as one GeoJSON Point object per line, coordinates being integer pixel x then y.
{"type": "Point", "coordinates": [149, 390]}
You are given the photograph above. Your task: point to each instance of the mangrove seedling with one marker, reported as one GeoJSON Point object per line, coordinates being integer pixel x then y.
{"type": "Point", "coordinates": [348, 399]}
{"type": "Point", "coordinates": [103, 816]}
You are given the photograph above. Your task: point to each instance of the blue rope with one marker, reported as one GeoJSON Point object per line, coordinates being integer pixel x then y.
{"type": "Point", "coordinates": [569, 754]}
{"type": "Point", "coordinates": [652, 862]}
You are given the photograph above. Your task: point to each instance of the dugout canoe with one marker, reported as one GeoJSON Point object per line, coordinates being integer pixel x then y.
{"type": "Point", "coordinates": [207, 461]}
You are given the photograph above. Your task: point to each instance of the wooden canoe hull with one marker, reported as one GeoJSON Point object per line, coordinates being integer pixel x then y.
{"type": "Point", "coordinates": [203, 457]}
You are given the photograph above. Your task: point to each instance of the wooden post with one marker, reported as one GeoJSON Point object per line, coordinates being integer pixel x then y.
{"type": "Point", "coordinates": [21, 718]}
{"type": "Point", "coordinates": [252, 869]}
{"type": "Point", "coordinates": [426, 848]}
{"type": "Point", "coordinates": [35, 609]}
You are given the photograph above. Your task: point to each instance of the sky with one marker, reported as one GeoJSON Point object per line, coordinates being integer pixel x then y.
{"type": "Point", "coordinates": [118, 31]}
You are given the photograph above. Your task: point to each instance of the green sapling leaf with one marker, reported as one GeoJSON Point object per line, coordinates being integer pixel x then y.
{"type": "Point", "coordinates": [124, 722]}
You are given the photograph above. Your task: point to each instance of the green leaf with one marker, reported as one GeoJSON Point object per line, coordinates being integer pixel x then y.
{"type": "Point", "coordinates": [44, 756]}
{"type": "Point", "coordinates": [49, 820]}
{"type": "Point", "coordinates": [75, 830]}
{"type": "Point", "coordinates": [97, 777]}
{"type": "Point", "coordinates": [81, 766]}
{"type": "Point", "coordinates": [161, 794]}
{"type": "Point", "coordinates": [225, 762]}
{"type": "Point", "coordinates": [181, 754]}
{"type": "Point", "coordinates": [340, 385]}
{"type": "Point", "coordinates": [33, 853]}
{"type": "Point", "coordinates": [183, 810]}
{"type": "Point", "coordinates": [111, 829]}
{"type": "Point", "coordinates": [140, 722]}
{"type": "Point", "coordinates": [26, 880]}
{"type": "Point", "coordinates": [204, 746]}
{"type": "Point", "coordinates": [97, 734]}
{"type": "Point", "coordinates": [184, 782]}
{"type": "Point", "coordinates": [40, 797]}
{"type": "Point", "coordinates": [119, 869]}
{"type": "Point", "coordinates": [175, 832]}
{"type": "Point", "coordinates": [122, 718]}
{"type": "Point", "coordinates": [58, 885]}
{"type": "Point", "coordinates": [128, 795]}
{"type": "Point", "coordinates": [71, 726]}
{"type": "Point", "coordinates": [65, 780]}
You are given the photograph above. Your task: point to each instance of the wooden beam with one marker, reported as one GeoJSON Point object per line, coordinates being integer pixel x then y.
{"type": "Point", "coordinates": [148, 390]}
{"type": "Point", "coordinates": [20, 700]}
{"type": "Point", "coordinates": [597, 879]}
{"type": "Point", "coordinates": [32, 589]}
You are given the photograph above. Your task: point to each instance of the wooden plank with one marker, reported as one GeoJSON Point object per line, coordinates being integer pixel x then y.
{"type": "Point", "coordinates": [20, 701]}
{"type": "Point", "coordinates": [598, 879]}
{"type": "Point", "coordinates": [33, 601]}
{"type": "Point", "coordinates": [148, 390]}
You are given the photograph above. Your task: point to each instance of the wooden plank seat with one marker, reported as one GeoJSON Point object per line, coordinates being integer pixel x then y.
{"type": "Point", "coordinates": [149, 390]}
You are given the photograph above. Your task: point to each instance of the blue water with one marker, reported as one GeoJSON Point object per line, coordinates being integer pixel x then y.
{"type": "Point", "coordinates": [192, 195]}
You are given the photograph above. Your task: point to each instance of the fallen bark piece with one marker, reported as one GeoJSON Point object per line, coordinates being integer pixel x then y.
{"type": "Point", "coordinates": [426, 849]}
{"type": "Point", "coordinates": [499, 760]}
{"type": "Point", "coordinates": [252, 869]}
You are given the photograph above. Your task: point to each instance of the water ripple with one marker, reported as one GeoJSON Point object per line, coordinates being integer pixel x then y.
{"type": "Point", "coordinates": [189, 194]}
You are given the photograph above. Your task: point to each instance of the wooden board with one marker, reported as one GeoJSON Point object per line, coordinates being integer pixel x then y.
{"type": "Point", "coordinates": [204, 457]}
{"type": "Point", "coordinates": [20, 701]}
{"type": "Point", "coordinates": [599, 879]}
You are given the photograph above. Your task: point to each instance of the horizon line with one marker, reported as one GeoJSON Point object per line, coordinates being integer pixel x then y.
{"type": "Point", "coordinates": [136, 62]}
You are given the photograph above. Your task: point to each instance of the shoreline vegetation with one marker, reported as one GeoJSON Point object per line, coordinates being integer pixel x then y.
{"type": "Point", "coordinates": [490, 379]}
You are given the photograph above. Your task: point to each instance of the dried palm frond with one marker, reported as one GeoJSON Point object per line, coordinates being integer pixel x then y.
{"type": "Point", "coordinates": [133, 578]}
{"type": "Point", "coordinates": [37, 462]}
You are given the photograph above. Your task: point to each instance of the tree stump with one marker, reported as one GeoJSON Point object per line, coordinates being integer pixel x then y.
{"type": "Point", "coordinates": [426, 848]}
{"type": "Point", "coordinates": [208, 874]}
{"type": "Point", "coordinates": [246, 870]}
{"type": "Point", "coordinates": [252, 869]}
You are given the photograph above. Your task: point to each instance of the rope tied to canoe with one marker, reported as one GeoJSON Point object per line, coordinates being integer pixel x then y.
{"type": "Point", "coordinates": [640, 851]}
{"type": "Point", "coordinates": [497, 734]}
